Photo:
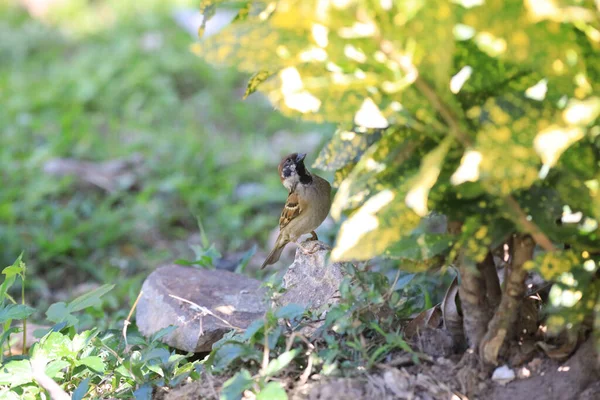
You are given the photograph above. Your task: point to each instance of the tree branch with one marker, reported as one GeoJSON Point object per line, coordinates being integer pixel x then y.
{"type": "Point", "coordinates": [535, 232]}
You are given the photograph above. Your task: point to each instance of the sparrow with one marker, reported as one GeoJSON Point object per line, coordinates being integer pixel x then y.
{"type": "Point", "coordinates": [307, 205]}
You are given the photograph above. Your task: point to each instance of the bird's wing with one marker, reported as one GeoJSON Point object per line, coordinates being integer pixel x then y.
{"type": "Point", "coordinates": [291, 210]}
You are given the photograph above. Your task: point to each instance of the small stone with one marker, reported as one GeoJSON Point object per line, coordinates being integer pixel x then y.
{"type": "Point", "coordinates": [311, 281]}
{"type": "Point", "coordinates": [502, 375]}
{"type": "Point", "coordinates": [524, 373]}
{"type": "Point", "coordinates": [236, 300]}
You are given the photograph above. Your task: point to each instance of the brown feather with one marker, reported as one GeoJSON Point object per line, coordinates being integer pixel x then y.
{"type": "Point", "coordinates": [290, 211]}
{"type": "Point", "coordinates": [274, 255]}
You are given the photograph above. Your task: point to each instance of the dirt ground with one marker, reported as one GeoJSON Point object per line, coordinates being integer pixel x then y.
{"type": "Point", "coordinates": [455, 377]}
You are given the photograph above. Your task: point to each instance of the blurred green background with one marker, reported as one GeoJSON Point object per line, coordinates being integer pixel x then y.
{"type": "Point", "coordinates": [113, 82]}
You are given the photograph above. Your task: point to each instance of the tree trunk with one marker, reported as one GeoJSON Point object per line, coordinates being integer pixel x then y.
{"type": "Point", "coordinates": [478, 280]}
{"type": "Point", "coordinates": [501, 327]}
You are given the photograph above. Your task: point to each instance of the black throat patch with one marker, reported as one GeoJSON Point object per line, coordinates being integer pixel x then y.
{"type": "Point", "coordinates": [305, 177]}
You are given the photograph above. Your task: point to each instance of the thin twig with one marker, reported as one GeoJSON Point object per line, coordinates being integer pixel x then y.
{"type": "Point", "coordinates": [452, 121]}
{"type": "Point", "coordinates": [391, 290]}
{"type": "Point", "coordinates": [127, 321]}
{"type": "Point", "coordinates": [306, 374]}
{"type": "Point", "coordinates": [531, 228]}
{"type": "Point", "coordinates": [290, 341]}
{"type": "Point", "coordinates": [205, 311]}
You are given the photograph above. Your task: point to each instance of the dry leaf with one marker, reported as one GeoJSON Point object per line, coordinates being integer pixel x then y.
{"type": "Point", "coordinates": [429, 318]}
{"type": "Point", "coordinates": [451, 316]}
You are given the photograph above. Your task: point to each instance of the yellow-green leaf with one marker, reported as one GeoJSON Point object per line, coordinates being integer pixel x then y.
{"type": "Point", "coordinates": [256, 80]}
{"type": "Point", "coordinates": [382, 220]}
{"type": "Point", "coordinates": [552, 264]}
{"type": "Point", "coordinates": [431, 166]}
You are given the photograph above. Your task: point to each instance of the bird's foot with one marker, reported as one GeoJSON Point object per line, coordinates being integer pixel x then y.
{"type": "Point", "coordinates": [314, 246]}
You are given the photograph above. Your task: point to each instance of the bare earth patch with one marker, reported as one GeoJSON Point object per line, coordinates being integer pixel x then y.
{"type": "Point", "coordinates": [441, 378]}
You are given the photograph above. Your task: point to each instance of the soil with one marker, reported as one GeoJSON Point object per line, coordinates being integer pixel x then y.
{"type": "Point", "coordinates": [450, 377]}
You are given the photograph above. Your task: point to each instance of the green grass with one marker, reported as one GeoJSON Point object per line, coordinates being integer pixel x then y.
{"type": "Point", "coordinates": [101, 80]}
{"type": "Point", "coordinates": [86, 87]}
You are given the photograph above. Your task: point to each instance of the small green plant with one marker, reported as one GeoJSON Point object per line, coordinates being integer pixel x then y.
{"type": "Point", "coordinates": [10, 310]}
{"type": "Point", "coordinates": [89, 363]}
{"type": "Point", "coordinates": [361, 330]}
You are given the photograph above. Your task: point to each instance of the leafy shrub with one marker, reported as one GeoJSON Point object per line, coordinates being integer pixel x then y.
{"type": "Point", "coordinates": [486, 112]}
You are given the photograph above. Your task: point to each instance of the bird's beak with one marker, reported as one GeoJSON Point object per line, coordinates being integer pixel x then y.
{"type": "Point", "coordinates": [300, 157]}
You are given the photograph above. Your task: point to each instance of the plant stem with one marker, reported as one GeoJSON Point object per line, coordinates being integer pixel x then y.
{"type": "Point", "coordinates": [127, 321]}
{"type": "Point", "coordinates": [24, 319]}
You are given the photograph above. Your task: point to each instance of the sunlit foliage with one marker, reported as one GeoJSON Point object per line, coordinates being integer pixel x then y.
{"type": "Point", "coordinates": [484, 110]}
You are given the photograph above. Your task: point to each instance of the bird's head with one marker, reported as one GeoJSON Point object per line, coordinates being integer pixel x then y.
{"type": "Point", "coordinates": [292, 170]}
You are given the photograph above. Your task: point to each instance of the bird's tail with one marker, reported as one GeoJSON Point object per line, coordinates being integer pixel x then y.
{"type": "Point", "coordinates": [274, 255]}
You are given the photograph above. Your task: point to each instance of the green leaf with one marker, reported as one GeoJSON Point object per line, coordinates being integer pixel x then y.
{"type": "Point", "coordinates": [15, 311]}
{"type": "Point", "coordinates": [162, 333]}
{"type": "Point", "coordinates": [572, 298]}
{"type": "Point", "coordinates": [16, 373]}
{"type": "Point", "coordinates": [255, 80]}
{"type": "Point", "coordinates": [7, 333]}
{"type": "Point", "coordinates": [431, 165]}
{"type": "Point", "coordinates": [234, 387]}
{"type": "Point", "coordinates": [89, 299]}
{"type": "Point", "coordinates": [276, 365]}
{"type": "Point", "coordinates": [11, 273]}
{"type": "Point", "coordinates": [546, 207]}
{"type": "Point", "coordinates": [54, 368]}
{"type": "Point", "coordinates": [232, 351]}
{"type": "Point", "coordinates": [82, 389]}
{"type": "Point", "coordinates": [477, 236]}
{"type": "Point", "coordinates": [59, 312]}
{"type": "Point", "coordinates": [272, 391]}
{"type": "Point", "coordinates": [346, 146]}
{"type": "Point", "coordinates": [54, 346]}
{"type": "Point", "coordinates": [144, 392]}
{"type": "Point", "coordinates": [290, 311]}
{"type": "Point", "coordinates": [489, 76]}
{"type": "Point", "coordinates": [161, 354]}
{"type": "Point", "coordinates": [420, 247]}
{"type": "Point", "coordinates": [94, 363]}
{"type": "Point", "coordinates": [550, 265]}
{"type": "Point", "coordinates": [241, 267]}
{"type": "Point", "coordinates": [17, 268]}
{"type": "Point", "coordinates": [242, 44]}
{"type": "Point", "coordinates": [519, 40]}
{"type": "Point", "coordinates": [81, 340]}
{"type": "Point", "coordinates": [391, 159]}
{"type": "Point", "coordinates": [253, 328]}
{"type": "Point", "coordinates": [508, 125]}
{"type": "Point", "coordinates": [273, 337]}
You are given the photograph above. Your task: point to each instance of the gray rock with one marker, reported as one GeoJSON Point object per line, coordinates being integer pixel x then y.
{"type": "Point", "coordinates": [207, 304]}
{"type": "Point", "coordinates": [311, 281]}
